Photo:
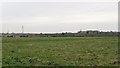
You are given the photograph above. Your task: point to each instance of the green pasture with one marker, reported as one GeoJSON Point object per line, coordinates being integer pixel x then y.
{"type": "Point", "coordinates": [60, 51]}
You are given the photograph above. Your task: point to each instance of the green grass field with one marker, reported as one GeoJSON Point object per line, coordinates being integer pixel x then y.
{"type": "Point", "coordinates": [60, 51]}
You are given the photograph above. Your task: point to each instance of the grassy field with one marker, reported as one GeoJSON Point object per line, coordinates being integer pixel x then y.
{"type": "Point", "coordinates": [60, 51]}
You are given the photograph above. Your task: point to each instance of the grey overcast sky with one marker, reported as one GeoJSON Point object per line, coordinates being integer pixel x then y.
{"type": "Point", "coordinates": [66, 16]}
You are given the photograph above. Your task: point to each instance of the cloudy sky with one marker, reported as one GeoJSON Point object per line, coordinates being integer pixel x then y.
{"type": "Point", "coordinates": [50, 17]}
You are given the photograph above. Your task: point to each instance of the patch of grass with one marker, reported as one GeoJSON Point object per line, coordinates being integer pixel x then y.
{"type": "Point", "coordinates": [60, 51]}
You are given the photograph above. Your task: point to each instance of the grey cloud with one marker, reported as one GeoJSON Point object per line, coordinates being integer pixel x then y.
{"type": "Point", "coordinates": [44, 17]}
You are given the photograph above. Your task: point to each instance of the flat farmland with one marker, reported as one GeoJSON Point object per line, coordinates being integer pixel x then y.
{"type": "Point", "coordinates": [60, 51]}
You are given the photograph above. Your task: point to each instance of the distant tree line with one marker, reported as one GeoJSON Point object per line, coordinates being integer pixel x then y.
{"type": "Point", "coordinates": [78, 34]}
